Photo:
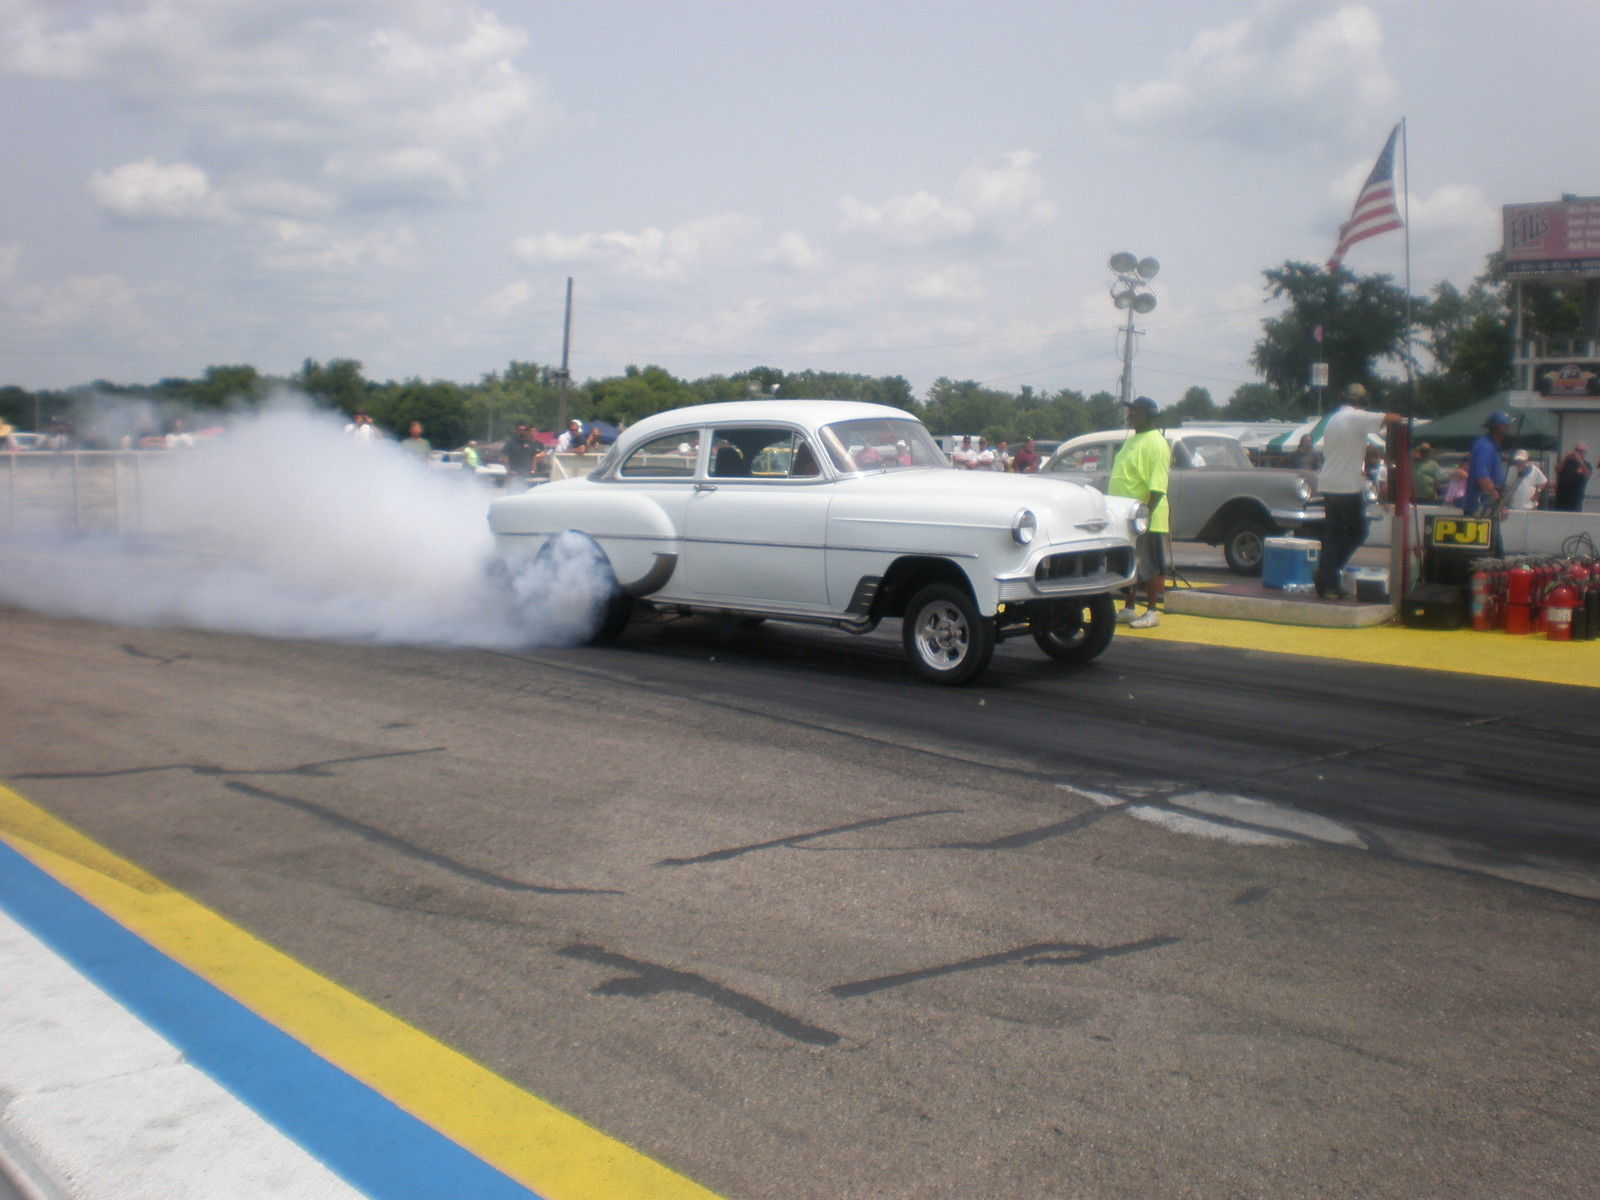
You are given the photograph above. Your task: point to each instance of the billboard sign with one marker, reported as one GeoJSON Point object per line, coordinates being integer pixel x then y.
{"type": "Point", "coordinates": [1553, 239]}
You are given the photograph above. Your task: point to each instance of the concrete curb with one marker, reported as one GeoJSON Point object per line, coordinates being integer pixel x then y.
{"type": "Point", "coordinates": [1325, 614]}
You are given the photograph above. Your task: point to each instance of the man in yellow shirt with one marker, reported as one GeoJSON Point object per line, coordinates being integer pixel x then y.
{"type": "Point", "coordinates": [1140, 473]}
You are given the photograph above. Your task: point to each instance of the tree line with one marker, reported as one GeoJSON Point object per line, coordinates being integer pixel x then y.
{"type": "Point", "coordinates": [1459, 350]}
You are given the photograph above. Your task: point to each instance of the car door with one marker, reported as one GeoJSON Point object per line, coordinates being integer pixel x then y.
{"type": "Point", "coordinates": [755, 525]}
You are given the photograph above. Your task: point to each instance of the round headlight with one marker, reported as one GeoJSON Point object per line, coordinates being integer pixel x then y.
{"type": "Point", "coordinates": [1303, 489]}
{"type": "Point", "coordinates": [1140, 521]}
{"type": "Point", "coordinates": [1023, 526]}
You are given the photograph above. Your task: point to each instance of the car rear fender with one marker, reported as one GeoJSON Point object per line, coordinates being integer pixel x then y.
{"type": "Point", "coordinates": [635, 529]}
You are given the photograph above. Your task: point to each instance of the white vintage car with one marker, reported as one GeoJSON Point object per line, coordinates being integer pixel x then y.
{"type": "Point", "coordinates": [837, 513]}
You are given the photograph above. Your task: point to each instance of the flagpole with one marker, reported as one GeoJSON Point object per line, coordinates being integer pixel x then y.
{"type": "Point", "coordinates": [1400, 563]}
{"type": "Point", "coordinates": [1405, 184]}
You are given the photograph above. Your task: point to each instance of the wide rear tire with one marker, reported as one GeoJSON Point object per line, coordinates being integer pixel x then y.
{"type": "Point", "coordinates": [1075, 630]}
{"type": "Point", "coordinates": [945, 636]}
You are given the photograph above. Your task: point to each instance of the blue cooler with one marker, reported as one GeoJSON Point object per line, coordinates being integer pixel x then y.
{"type": "Point", "coordinates": [1288, 562]}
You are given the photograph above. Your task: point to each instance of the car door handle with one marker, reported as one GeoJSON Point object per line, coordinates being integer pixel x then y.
{"type": "Point", "coordinates": [705, 487]}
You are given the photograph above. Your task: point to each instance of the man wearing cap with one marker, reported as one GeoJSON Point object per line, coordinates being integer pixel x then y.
{"type": "Point", "coordinates": [1140, 473]}
{"type": "Point", "coordinates": [1486, 473]}
{"type": "Point", "coordinates": [1525, 483]}
{"type": "Point", "coordinates": [571, 439]}
{"type": "Point", "coordinates": [1343, 482]}
{"type": "Point", "coordinates": [1572, 477]}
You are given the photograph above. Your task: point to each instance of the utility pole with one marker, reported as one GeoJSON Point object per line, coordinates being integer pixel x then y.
{"type": "Point", "coordinates": [565, 377]}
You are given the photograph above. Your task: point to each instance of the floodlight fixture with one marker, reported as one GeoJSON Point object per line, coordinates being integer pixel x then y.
{"type": "Point", "coordinates": [1130, 294]}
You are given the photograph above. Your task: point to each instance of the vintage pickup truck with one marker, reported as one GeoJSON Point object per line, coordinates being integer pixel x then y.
{"type": "Point", "coordinates": [1217, 495]}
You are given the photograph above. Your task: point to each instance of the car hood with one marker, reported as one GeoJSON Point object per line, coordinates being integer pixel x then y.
{"type": "Point", "coordinates": [1064, 508]}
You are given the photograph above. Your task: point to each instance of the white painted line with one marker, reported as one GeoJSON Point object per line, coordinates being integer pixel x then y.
{"type": "Point", "coordinates": [1266, 815]}
{"type": "Point", "coordinates": [96, 1106]}
{"type": "Point", "coordinates": [1180, 822]}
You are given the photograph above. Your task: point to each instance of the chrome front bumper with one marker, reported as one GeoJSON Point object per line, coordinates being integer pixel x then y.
{"type": "Point", "coordinates": [1078, 571]}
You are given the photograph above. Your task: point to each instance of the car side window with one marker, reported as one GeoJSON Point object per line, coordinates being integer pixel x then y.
{"type": "Point", "coordinates": [1094, 457]}
{"type": "Point", "coordinates": [670, 456]}
{"type": "Point", "coordinates": [761, 453]}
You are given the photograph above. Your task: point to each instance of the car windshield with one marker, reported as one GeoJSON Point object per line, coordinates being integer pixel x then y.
{"type": "Point", "coordinates": [881, 444]}
{"type": "Point", "coordinates": [1210, 454]}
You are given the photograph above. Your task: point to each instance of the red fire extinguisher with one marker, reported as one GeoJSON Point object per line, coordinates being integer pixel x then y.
{"type": "Point", "coordinates": [1580, 606]}
{"type": "Point", "coordinates": [1480, 596]}
{"type": "Point", "coordinates": [1519, 592]}
{"type": "Point", "coordinates": [1558, 606]}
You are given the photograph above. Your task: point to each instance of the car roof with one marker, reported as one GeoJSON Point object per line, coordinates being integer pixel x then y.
{"type": "Point", "coordinates": [1122, 435]}
{"type": "Point", "coordinates": [808, 413]}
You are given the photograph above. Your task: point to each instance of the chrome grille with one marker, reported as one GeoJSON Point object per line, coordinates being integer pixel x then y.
{"type": "Point", "coordinates": [1085, 564]}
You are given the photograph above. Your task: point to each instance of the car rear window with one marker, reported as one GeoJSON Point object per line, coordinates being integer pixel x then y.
{"type": "Point", "coordinates": [672, 455]}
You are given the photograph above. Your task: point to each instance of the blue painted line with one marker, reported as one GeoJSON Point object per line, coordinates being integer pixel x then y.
{"type": "Point", "coordinates": [370, 1142]}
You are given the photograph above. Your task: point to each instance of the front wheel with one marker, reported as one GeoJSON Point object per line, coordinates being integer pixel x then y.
{"type": "Point", "coordinates": [1244, 545]}
{"type": "Point", "coordinates": [945, 636]}
{"type": "Point", "coordinates": [1075, 630]}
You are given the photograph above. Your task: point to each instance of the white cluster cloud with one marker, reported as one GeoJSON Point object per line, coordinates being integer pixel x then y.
{"type": "Point", "coordinates": [297, 246]}
{"type": "Point", "coordinates": [148, 190]}
{"type": "Point", "coordinates": [378, 102]}
{"type": "Point", "coordinates": [1286, 75]}
{"type": "Point", "coordinates": [990, 202]}
{"type": "Point", "coordinates": [104, 303]}
{"type": "Point", "coordinates": [659, 255]}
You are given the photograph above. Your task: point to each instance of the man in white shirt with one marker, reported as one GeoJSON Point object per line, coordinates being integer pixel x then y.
{"type": "Point", "coordinates": [1343, 482]}
{"type": "Point", "coordinates": [985, 455]}
{"type": "Point", "coordinates": [1525, 483]}
{"type": "Point", "coordinates": [965, 456]}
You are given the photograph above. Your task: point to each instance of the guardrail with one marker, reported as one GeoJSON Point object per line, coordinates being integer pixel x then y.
{"type": "Point", "coordinates": [75, 491]}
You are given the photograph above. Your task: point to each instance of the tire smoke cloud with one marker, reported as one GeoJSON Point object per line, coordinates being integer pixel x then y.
{"type": "Point", "coordinates": [283, 526]}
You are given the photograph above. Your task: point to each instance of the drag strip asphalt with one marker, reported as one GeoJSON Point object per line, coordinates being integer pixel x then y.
{"type": "Point", "coordinates": [764, 911]}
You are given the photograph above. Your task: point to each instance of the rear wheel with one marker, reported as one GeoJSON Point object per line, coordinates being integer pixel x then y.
{"type": "Point", "coordinates": [618, 612]}
{"type": "Point", "coordinates": [945, 636]}
{"type": "Point", "coordinates": [1075, 630]}
{"type": "Point", "coordinates": [1244, 545]}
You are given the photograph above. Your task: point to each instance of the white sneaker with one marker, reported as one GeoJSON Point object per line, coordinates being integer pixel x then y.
{"type": "Point", "coordinates": [1148, 619]}
{"type": "Point", "coordinates": [1125, 615]}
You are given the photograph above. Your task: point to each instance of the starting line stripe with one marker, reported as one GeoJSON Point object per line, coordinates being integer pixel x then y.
{"type": "Point", "coordinates": [393, 1110]}
{"type": "Point", "coordinates": [1532, 658]}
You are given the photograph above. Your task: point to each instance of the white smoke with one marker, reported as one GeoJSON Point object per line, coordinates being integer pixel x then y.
{"type": "Point", "coordinates": [287, 527]}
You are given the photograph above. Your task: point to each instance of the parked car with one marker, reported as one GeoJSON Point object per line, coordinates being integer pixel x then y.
{"type": "Point", "coordinates": [842, 514]}
{"type": "Point", "coordinates": [1215, 493]}
{"type": "Point", "coordinates": [22, 440]}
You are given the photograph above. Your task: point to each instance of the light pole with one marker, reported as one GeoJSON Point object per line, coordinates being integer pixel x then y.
{"type": "Point", "coordinates": [1129, 292]}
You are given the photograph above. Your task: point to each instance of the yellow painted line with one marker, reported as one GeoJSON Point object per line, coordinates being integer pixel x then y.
{"type": "Point", "coordinates": [1533, 657]}
{"type": "Point", "coordinates": [533, 1142]}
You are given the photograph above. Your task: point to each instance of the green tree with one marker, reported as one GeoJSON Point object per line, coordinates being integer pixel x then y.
{"type": "Point", "coordinates": [224, 385]}
{"type": "Point", "coordinates": [339, 383]}
{"type": "Point", "coordinates": [966, 407]}
{"type": "Point", "coordinates": [1363, 323]}
{"type": "Point", "coordinates": [638, 392]}
{"type": "Point", "coordinates": [1259, 402]}
{"type": "Point", "coordinates": [439, 404]}
{"type": "Point", "coordinates": [1196, 405]}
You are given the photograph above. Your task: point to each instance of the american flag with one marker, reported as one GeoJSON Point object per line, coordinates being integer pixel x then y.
{"type": "Point", "coordinates": [1375, 211]}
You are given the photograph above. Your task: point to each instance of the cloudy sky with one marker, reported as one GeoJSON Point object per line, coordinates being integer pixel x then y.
{"type": "Point", "coordinates": [918, 187]}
